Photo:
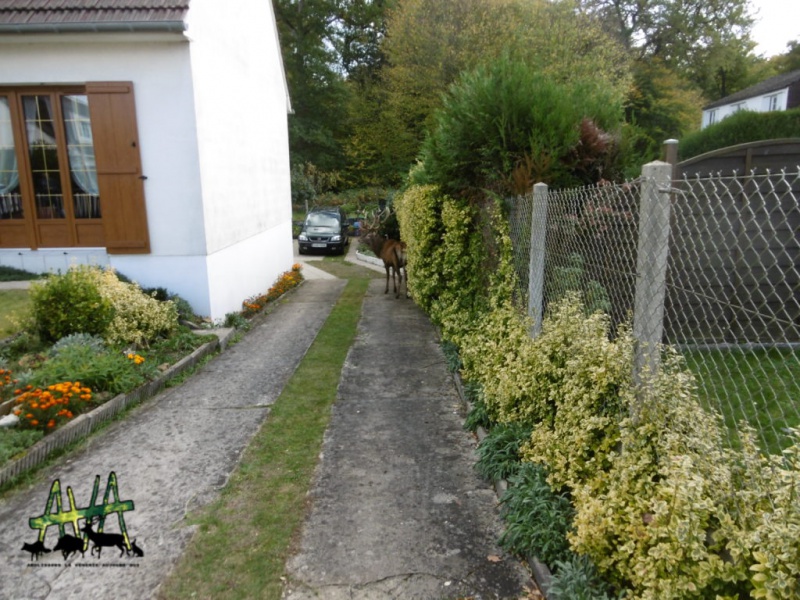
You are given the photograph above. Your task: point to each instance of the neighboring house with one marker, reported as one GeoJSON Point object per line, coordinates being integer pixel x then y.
{"type": "Point", "coordinates": [781, 92]}
{"type": "Point", "coordinates": [148, 135]}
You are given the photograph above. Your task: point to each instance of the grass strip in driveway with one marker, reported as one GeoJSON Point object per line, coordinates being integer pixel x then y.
{"type": "Point", "coordinates": [245, 537]}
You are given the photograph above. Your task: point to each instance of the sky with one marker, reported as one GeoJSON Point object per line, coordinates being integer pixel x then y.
{"type": "Point", "coordinates": [777, 23]}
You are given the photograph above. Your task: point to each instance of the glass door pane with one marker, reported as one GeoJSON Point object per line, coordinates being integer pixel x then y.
{"type": "Point", "coordinates": [43, 156]}
{"type": "Point", "coordinates": [80, 149]}
{"type": "Point", "coordinates": [10, 198]}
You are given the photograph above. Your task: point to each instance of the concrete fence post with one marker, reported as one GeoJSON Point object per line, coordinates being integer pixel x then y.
{"type": "Point", "coordinates": [536, 264]}
{"type": "Point", "coordinates": [670, 150]}
{"type": "Point", "coordinates": [651, 271]}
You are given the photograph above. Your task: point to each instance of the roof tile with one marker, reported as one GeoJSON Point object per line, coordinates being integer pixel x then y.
{"type": "Point", "coordinates": [54, 12]}
{"type": "Point", "coordinates": [772, 84]}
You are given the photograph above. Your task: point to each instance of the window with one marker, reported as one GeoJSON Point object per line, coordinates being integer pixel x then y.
{"type": "Point", "coordinates": [772, 102]}
{"type": "Point", "coordinates": [712, 117]}
{"type": "Point", "coordinates": [59, 185]}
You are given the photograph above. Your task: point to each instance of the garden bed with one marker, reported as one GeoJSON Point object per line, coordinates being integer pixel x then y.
{"type": "Point", "coordinates": [72, 381]}
{"type": "Point", "coordinates": [85, 423]}
{"type": "Point", "coordinates": [540, 571]}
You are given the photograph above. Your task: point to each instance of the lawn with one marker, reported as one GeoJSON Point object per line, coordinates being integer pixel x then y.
{"type": "Point", "coordinates": [14, 304]}
{"type": "Point", "coordinates": [761, 387]}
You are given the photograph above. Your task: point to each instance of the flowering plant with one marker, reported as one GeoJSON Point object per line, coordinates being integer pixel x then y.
{"type": "Point", "coordinates": [137, 359]}
{"type": "Point", "coordinates": [6, 384]}
{"type": "Point", "coordinates": [47, 409]}
{"type": "Point", "coordinates": [285, 282]}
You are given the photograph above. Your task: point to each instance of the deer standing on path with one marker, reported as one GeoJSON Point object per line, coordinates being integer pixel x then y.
{"type": "Point", "coordinates": [393, 255]}
{"type": "Point", "coordinates": [391, 252]}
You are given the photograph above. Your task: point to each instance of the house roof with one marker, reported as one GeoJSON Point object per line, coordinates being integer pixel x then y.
{"type": "Point", "coordinates": [59, 16]}
{"type": "Point", "coordinates": [772, 84]}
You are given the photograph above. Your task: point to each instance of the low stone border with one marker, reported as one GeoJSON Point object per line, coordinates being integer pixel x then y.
{"type": "Point", "coordinates": [84, 424]}
{"type": "Point", "coordinates": [541, 573]}
{"type": "Point", "coordinates": [369, 259]}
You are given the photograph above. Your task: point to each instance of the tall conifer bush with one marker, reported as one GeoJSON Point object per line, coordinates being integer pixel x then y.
{"type": "Point", "coordinates": [506, 126]}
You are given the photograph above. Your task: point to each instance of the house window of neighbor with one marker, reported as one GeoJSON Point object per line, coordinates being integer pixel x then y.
{"type": "Point", "coordinates": [48, 178]}
{"type": "Point", "coordinates": [772, 102]}
{"type": "Point", "coordinates": [738, 107]}
{"type": "Point", "coordinates": [712, 117]}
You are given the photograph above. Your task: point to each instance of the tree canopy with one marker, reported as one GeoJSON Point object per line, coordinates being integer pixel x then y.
{"type": "Point", "coordinates": [366, 76]}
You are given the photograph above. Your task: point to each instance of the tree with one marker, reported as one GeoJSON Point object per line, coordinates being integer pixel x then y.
{"type": "Point", "coordinates": [790, 61]}
{"type": "Point", "coordinates": [661, 105]}
{"type": "Point", "coordinates": [318, 91]}
{"type": "Point", "coordinates": [359, 35]}
{"type": "Point", "coordinates": [707, 39]}
{"type": "Point", "coordinates": [431, 42]}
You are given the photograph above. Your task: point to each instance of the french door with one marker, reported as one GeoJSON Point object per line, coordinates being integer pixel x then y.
{"type": "Point", "coordinates": [49, 194]}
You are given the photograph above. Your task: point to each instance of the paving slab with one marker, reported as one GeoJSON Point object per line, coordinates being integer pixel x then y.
{"type": "Point", "coordinates": [397, 510]}
{"type": "Point", "coordinates": [170, 455]}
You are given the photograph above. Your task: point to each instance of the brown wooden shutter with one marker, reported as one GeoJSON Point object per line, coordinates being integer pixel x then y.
{"type": "Point", "coordinates": [119, 167]}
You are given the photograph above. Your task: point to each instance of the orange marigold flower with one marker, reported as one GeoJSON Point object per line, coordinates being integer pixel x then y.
{"type": "Point", "coordinates": [51, 423]}
{"type": "Point", "coordinates": [35, 422]}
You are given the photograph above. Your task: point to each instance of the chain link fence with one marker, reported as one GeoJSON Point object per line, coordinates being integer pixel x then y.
{"type": "Point", "coordinates": [709, 265]}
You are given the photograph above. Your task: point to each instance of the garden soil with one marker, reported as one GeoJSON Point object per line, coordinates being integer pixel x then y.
{"type": "Point", "coordinates": [396, 509]}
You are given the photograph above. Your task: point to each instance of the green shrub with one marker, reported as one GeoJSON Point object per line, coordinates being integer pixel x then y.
{"type": "Point", "coordinates": [506, 126]}
{"type": "Point", "coordinates": [159, 293]}
{"type": "Point", "coordinates": [459, 256]}
{"type": "Point", "coordinates": [14, 274]}
{"type": "Point", "coordinates": [15, 350]}
{"type": "Point", "coordinates": [237, 321]}
{"type": "Point", "coordinates": [94, 342]}
{"type": "Point", "coordinates": [650, 482]}
{"type": "Point", "coordinates": [770, 503]}
{"type": "Point", "coordinates": [183, 308]}
{"type": "Point", "coordinates": [450, 351]}
{"type": "Point", "coordinates": [498, 453]}
{"type": "Point", "coordinates": [584, 396]}
{"type": "Point", "coordinates": [478, 415]}
{"type": "Point", "coordinates": [102, 371]}
{"type": "Point", "coordinates": [138, 318]}
{"type": "Point", "coordinates": [14, 440]}
{"type": "Point", "coordinates": [181, 342]}
{"type": "Point", "coordinates": [577, 579]}
{"type": "Point", "coordinates": [571, 277]}
{"type": "Point", "coordinates": [740, 128]}
{"type": "Point", "coordinates": [69, 303]}
{"type": "Point", "coordinates": [537, 519]}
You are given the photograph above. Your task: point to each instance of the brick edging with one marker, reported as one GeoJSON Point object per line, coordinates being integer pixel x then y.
{"type": "Point", "coordinates": [84, 424]}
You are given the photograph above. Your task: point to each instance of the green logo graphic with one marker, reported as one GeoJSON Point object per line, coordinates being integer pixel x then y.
{"type": "Point", "coordinates": [80, 538]}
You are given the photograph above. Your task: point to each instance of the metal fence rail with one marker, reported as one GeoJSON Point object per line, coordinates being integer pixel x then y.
{"type": "Point", "coordinates": [715, 273]}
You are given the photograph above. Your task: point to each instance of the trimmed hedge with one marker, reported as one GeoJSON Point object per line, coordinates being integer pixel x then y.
{"type": "Point", "coordinates": [740, 128]}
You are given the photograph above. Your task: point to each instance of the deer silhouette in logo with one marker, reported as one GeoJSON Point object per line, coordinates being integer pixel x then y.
{"type": "Point", "coordinates": [104, 540]}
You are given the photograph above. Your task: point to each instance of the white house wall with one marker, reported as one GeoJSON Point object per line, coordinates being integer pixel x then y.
{"type": "Point", "coordinates": [165, 115]}
{"type": "Point", "coordinates": [240, 101]}
{"type": "Point", "coordinates": [212, 119]}
{"type": "Point", "coordinates": [755, 104]}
